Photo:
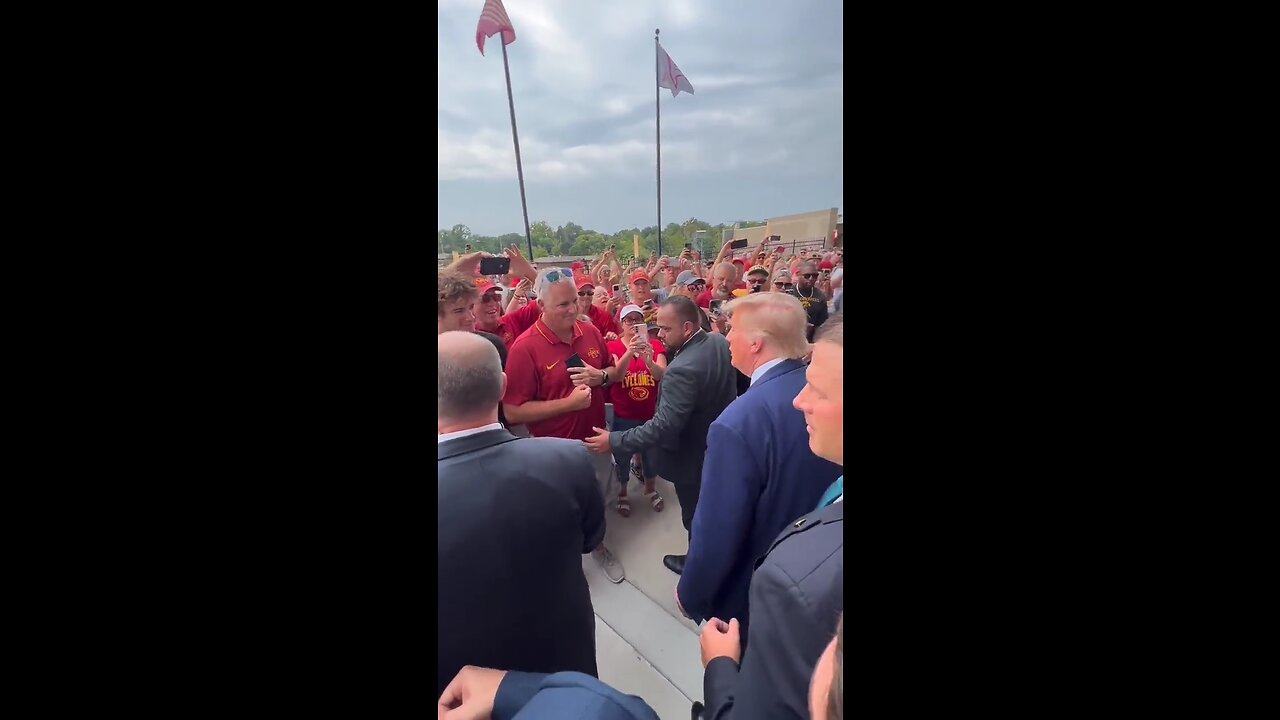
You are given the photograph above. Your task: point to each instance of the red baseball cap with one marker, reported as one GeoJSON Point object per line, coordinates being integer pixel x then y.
{"type": "Point", "coordinates": [581, 280]}
{"type": "Point", "coordinates": [576, 265]}
{"type": "Point", "coordinates": [825, 265]}
{"type": "Point", "coordinates": [484, 285]}
{"type": "Point", "coordinates": [639, 275]}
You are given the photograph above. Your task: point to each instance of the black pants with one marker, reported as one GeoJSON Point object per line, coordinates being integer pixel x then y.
{"type": "Point", "coordinates": [687, 492]}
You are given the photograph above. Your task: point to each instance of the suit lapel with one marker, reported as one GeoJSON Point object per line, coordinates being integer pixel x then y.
{"type": "Point", "coordinates": [472, 443]}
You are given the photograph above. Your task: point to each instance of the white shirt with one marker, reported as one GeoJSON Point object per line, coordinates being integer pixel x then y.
{"type": "Point", "coordinates": [760, 371]}
{"type": "Point", "coordinates": [464, 433]}
{"type": "Point", "coordinates": [836, 275]}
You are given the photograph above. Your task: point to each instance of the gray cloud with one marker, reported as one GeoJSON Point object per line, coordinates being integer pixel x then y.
{"type": "Point", "coordinates": [761, 137]}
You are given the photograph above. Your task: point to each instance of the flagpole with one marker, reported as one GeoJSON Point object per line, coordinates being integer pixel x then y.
{"type": "Point", "coordinates": [515, 137]}
{"type": "Point", "coordinates": [657, 105]}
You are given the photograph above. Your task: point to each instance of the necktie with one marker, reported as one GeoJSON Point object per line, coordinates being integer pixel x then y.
{"type": "Point", "coordinates": [835, 490]}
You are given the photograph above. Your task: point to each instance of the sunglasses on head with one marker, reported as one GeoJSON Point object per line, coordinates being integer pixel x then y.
{"type": "Point", "coordinates": [555, 275]}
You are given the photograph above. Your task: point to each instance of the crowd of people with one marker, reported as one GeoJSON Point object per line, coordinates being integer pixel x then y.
{"type": "Point", "coordinates": [560, 386]}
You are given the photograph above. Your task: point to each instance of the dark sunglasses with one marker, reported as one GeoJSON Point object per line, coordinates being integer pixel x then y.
{"type": "Point", "coordinates": [809, 275]}
{"type": "Point", "coordinates": [755, 281]}
{"type": "Point", "coordinates": [586, 293]}
{"type": "Point", "coordinates": [491, 298]}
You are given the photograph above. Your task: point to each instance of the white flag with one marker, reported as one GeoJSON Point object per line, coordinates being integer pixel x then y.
{"type": "Point", "coordinates": [669, 76]}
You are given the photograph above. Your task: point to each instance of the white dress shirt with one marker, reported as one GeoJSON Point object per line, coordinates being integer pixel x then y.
{"type": "Point", "coordinates": [760, 371]}
{"type": "Point", "coordinates": [464, 433]}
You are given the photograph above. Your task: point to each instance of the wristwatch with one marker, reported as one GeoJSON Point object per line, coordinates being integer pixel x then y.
{"type": "Point", "coordinates": [604, 378]}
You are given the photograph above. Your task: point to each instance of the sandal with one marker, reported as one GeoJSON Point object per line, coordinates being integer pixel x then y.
{"type": "Point", "coordinates": [623, 506]}
{"type": "Point", "coordinates": [656, 500]}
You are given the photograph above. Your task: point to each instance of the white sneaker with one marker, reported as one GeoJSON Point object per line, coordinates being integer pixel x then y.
{"type": "Point", "coordinates": [611, 565]}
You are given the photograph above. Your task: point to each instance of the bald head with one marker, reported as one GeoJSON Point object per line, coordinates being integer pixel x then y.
{"type": "Point", "coordinates": [471, 381]}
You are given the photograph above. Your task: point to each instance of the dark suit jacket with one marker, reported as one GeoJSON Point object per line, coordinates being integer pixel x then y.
{"type": "Point", "coordinates": [797, 594]}
{"type": "Point", "coordinates": [564, 696]}
{"type": "Point", "coordinates": [515, 518]}
{"type": "Point", "coordinates": [697, 386]}
{"type": "Point", "coordinates": [759, 476]}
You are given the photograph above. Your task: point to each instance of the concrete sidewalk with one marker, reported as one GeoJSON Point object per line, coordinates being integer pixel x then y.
{"type": "Point", "coordinates": [644, 646]}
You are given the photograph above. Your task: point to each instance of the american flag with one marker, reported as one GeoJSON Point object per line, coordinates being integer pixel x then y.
{"type": "Point", "coordinates": [494, 19]}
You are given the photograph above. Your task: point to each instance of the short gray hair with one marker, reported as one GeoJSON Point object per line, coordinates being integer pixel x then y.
{"type": "Point", "coordinates": [543, 284]}
{"type": "Point", "coordinates": [470, 376]}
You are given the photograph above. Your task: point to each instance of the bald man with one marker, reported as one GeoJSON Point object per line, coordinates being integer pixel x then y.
{"type": "Point", "coordinates": [506, 583]}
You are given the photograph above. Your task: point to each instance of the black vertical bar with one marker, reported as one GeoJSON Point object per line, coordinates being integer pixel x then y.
{"type": "Point", "coordinates": [515, 137]}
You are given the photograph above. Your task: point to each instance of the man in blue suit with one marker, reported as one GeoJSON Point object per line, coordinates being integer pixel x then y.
{"type": "Point", "coordinates": [759, 474]}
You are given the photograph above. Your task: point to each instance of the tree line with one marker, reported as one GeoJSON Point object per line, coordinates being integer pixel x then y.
{"type": "Point", "coordinates": [572, 239]}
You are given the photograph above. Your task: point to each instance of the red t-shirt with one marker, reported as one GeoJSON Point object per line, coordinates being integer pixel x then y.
{"type": "Point", "coordinates": [636, 397]}
{"type": "Point", "coordinates": [514, 324]}
{"type": "Point", "coordinates": [704, 300]}
{"type": "Point", "coordinates": [536, 371]}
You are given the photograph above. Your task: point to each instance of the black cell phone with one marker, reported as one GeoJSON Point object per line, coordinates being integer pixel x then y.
{"type": "Point", "coordinates": [495, 265]}
{"type": "Point", "coordinates": [616, 288]}
{"type": "Point", "coordinates": [738, 244]}
{"type": "Point", "coordinates": [715, 306]}
{"type": "Point", "coordinates": [688, 246]}
{"type": "Point", "coordinates": [574, 362]}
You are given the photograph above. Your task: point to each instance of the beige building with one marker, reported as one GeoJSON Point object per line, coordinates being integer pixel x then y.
{"type": "Point", "coordinates": [803, 231]}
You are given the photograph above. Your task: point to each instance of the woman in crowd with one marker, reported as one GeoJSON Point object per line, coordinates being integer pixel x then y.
{"type": "Point", "coordinates": [636, 398]}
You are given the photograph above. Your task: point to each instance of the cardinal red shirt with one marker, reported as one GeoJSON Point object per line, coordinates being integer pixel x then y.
{"type": "Point", "coordinates": [636, 397]}
{"type": "Point", "coordinates": [536, 371]}
{"type": "Point", "coordinates": [517, 322]}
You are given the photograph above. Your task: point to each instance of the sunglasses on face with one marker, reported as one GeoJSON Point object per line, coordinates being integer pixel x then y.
{"type": "Point", "coordinates": [784, 286]}
{"type": "Point", "coordinates": [586, 293]}
{"type": "Point", "coordinates": [632, 320]}
{"type": "Point", "coordinates": [755, 281]}
{"type": "Point", "coordinates": [490, 298]}
{"type": "Point", "coordinates": [809, 275]}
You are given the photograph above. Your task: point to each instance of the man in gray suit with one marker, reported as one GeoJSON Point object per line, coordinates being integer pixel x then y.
{"type": "Point", "coordinates": [516, 515]}
{"type": "Point", "coordinates": [698, 385]}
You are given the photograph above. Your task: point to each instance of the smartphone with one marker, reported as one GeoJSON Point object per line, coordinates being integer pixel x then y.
{"type": "Point", "coordinates": [715, 306]}
{"type": "Point", "coordinates": [616, 288]}
{"type": "Point", "coordinates": [495, 265]}
{"type": "Point", "coordinates": [826, 273]}
{"type": "Point", "coordinates": [738, 244]}
{"type": "Point", "coordinates": [688, 246]}
{"type": "Point", "coordinates": [574, 361]}
{"type": "Point", "coordinates": [643, 331]}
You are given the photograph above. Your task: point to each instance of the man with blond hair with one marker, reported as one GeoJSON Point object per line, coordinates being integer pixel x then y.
{"type": "Point", "coordinates": [759, 474]}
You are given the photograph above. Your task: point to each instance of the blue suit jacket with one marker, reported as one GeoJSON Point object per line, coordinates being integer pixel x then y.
{"type": "Point", "coordinates": [564, 696]}
{"type": "Point", "coordinates": [759, 476]}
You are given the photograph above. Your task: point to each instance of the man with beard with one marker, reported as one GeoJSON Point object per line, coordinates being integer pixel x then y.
{"type": "Point", "coordinates": [814, 302]}
{"type": "Point", "coordinates": [757, 279]}
{"type": "Point", "coordinates": [697, 386]}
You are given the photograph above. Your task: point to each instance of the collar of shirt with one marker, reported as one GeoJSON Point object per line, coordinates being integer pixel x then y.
{"type": "Point", "coordinates": [549, 335]}
{"type": "Point", "coordinates": [760, 371]}
{"type": "Point", "coordinates": [471, 431]}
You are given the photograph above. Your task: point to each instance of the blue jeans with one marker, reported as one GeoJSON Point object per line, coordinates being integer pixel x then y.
{"type": "Point", "coordinates": [623, 460]}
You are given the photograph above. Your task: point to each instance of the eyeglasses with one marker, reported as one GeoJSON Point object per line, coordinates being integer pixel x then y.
{"type": "Point", "coordinates": [809, 275]}
{"type": "Point", "coordinates": [586, 293]}
{"type": "Point", "coordinates": [491, 298]}
{"type": "Point", "coordinates": [554, 276]}
{"type": "Point", "coordinates": [632, 320]}
{"type": "Point", "coordinates": [755, 281]}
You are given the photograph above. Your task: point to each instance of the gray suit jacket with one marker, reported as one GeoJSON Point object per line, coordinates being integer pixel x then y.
{"type": "Point", "coordinates": [698, 385]}
{"type": "Point", "coordinates": [797, 594]}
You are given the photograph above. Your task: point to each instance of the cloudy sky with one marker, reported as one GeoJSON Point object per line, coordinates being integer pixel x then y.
{"type": "Point", "coordinates": [762, 135]}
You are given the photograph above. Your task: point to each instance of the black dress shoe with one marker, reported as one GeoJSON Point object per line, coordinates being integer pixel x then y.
{"type": "Point", "coordinates": [674, 563]}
